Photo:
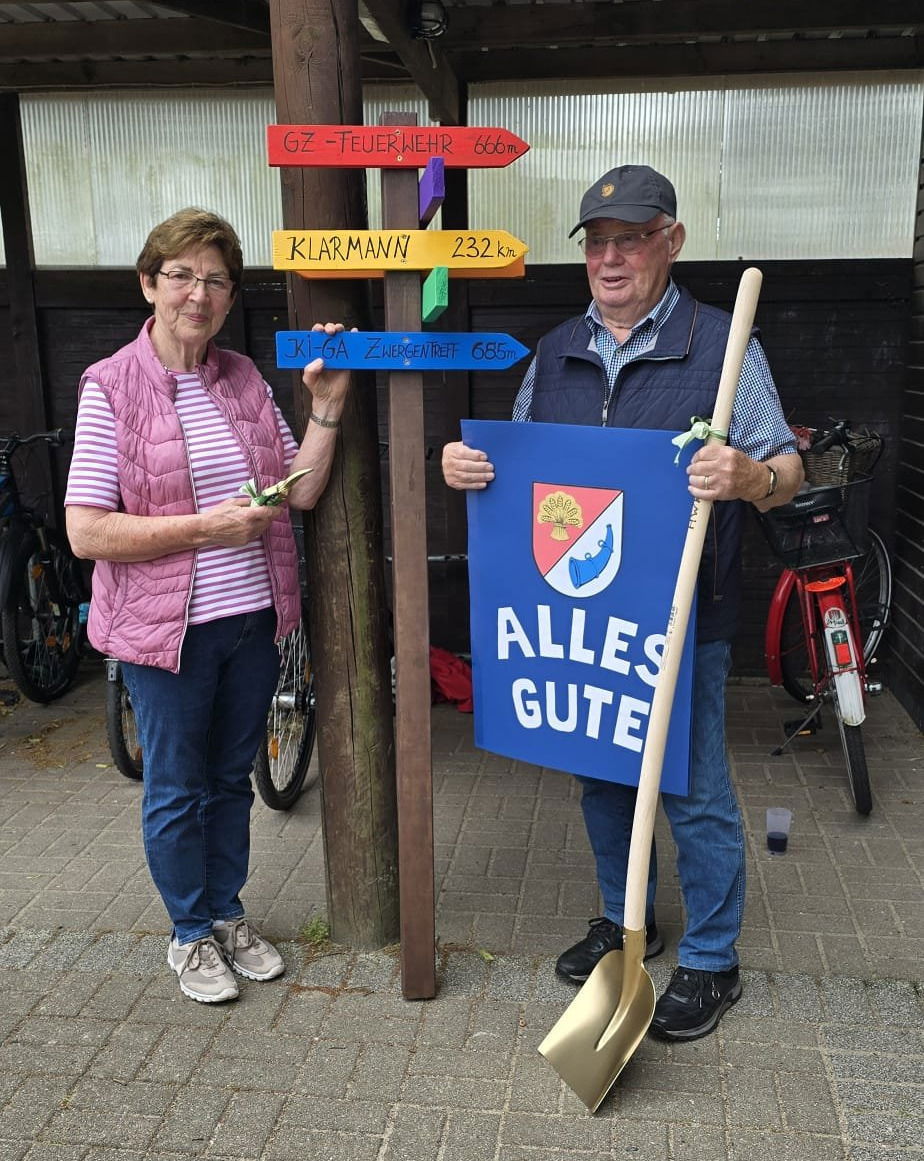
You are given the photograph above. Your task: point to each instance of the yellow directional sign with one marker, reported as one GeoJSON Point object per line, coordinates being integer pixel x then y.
{"type": "Point", "coordinates": [394, 249]}
{"type": "Point", "coordinates": [516, 269]}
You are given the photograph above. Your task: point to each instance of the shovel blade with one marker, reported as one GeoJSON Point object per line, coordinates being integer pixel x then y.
{"type": "Point", "coordinates": [603, 1025]}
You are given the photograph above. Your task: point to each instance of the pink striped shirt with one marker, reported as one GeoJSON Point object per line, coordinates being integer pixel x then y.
{"type": "Point", "coordinates": [226, 580]}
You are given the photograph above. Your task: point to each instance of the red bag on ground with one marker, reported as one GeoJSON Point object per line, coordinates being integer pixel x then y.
{"type": "Point", "coordinates": [451, 679]}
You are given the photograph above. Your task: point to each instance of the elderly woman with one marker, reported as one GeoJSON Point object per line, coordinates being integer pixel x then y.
{"type": "Point", "coordinates": [193, 586]}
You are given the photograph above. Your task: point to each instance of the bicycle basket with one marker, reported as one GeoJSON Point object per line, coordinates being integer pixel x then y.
{"type": "Point", "coordinates": [821, 525]}
{"type": "Point", "coordinates": [840, 464]}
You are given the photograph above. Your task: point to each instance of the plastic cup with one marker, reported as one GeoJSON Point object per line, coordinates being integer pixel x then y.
{"type": "Point", "coordinates": [779, 819]}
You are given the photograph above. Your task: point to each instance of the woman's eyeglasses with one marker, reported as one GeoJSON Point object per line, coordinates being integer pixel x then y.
{"type": "Point", "coordinates": [186, 280]}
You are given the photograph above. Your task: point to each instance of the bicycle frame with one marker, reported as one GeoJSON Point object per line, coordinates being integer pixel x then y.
{"type": "Point", "coordinates": [41, 588]}
{"type": "Point", "coordinates": [828, 607]}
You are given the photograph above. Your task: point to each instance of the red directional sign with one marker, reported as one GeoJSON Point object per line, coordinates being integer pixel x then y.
{"type": "Point", "coordinates": [392, 146]}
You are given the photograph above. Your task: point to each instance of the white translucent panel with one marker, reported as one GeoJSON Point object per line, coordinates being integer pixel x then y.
{"type": "Point", "coordinates": [824, 170]}
{"type": "Point", "coordinates": [787, 167]}
{"type": "Point", "coordinates": [574, 138]}
{"type": "Point", "coordinates": [104, 168]}
{"type": "Point", "coordinates": [379, 99]}
{"type": "Point", "coordinates": [56, 147]}
{"type": "Point", "coordinates": [792, 167]}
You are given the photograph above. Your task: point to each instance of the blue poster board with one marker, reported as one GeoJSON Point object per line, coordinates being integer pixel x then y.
{"type": "Point", "coordinates": [574, 550]}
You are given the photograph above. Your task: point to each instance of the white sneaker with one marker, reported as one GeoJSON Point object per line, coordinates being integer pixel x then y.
{"type": "Point", "coordinates": [203, 970]}
{"type": "Point", "coordinates": [247, 952]}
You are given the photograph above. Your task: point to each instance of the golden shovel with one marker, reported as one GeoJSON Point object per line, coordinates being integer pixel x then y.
{"type": "Point", "coordinates": [600, 1029]}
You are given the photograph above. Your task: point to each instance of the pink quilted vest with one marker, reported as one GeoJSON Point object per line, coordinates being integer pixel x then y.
{"type": "Point", "coordinates": [138, 611]}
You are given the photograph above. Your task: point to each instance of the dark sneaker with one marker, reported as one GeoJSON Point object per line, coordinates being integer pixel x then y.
{"type": "Point", "coordinates": [602, 936]}
{"type": "Point", "coordinates": [694, 1002]}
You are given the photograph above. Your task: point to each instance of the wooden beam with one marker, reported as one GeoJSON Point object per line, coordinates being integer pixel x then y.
{"type": "Point", "coordinates": [34, 76]}
{"type": "Point", "coordinates": [127, 38]}
{"type": "Point", "coordinates": [250, 14]}
{"type": "Point", "coordinates": [695, 60]}
{"type": "Point", "coordinates": [194, 72]}
{"type": "Point", "coordinates": [424, 60]}
{"type": "Point", "coordinates": [654, 22]}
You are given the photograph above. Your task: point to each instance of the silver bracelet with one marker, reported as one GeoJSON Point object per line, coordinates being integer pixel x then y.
{"type": "Point", "coordinates": [325, 422]}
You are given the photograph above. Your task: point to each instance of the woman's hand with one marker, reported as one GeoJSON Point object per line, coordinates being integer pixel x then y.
{"type": "Point", "coordinates": [234, 523]}
{"type": "Point", "coordinates": [466, 468]}
{"type": "Point", "coordinates": [328, 389]}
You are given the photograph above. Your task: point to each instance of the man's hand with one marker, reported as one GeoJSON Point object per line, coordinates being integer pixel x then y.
{"type": "Point", "coordinates": [466, 468]}
{"type": "Point", "coordinates": [718, 472]}
{"type": "Point", "coordinates": [234, 523]}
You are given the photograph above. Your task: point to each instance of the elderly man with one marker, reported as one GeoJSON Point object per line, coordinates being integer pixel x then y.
{"type": "Point", "coordinates": [646, 354]}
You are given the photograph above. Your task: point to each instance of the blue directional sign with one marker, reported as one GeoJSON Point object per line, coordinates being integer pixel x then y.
{"type": "Point", "coordinates": [398, 350]}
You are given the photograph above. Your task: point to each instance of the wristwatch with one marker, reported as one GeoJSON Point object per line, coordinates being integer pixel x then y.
{"type": "Point", "coordinates": [771, 487]}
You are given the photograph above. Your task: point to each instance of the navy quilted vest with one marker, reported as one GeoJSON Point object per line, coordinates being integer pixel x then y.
{"type": "Point", "coordinates": [661, 389]}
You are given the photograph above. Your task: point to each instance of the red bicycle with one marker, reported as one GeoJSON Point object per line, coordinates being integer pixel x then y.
{"type": "Point", "coordinates": [829, 609]}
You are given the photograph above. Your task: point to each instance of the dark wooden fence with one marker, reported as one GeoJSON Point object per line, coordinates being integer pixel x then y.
{"type": "Point", "coordinates": [836, 334]}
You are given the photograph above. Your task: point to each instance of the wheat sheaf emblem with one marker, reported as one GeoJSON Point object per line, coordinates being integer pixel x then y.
{"type": "Point", "coordinates": [562, 512]}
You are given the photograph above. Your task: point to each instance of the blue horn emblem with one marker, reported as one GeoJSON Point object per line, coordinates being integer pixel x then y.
{"type": "Point", "coordinates": [588, 569]}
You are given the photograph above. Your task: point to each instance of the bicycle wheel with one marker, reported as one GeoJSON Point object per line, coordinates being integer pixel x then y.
{"type": "Point", "coordinates": [281, 767]}
{"type": "Point", "coordinates": [855, 758]}
{"type": "Point", "coordinates": [41, 620]}
{"type": "Point", "coordinates": [121, 728]}
{"type": "Point", "coordinates": [872, 581]}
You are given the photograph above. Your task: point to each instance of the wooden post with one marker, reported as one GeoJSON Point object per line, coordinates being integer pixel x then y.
{"type": "Point", "coordinates": [316, 70]}
{"type": "Point", "coordinates": [448, 507]}
{"type": "Point", "coordinates": [410, 603]}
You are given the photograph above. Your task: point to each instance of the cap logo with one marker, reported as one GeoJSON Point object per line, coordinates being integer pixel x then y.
{"type": "Point", "coordinates": [606, 191]}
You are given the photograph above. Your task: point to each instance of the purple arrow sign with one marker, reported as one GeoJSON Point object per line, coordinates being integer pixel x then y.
{"type": "Point", "coordinates": [432, 188]}
{"type": "Point", "coordinates": [398, 350]}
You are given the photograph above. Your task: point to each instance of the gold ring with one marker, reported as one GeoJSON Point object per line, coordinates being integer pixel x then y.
{"type": "Point", "coordinates": [705, 483]}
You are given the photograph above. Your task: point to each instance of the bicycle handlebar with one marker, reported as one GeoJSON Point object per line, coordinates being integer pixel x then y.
{"type": "Point", "coordinates": [839, 434]}
{"type": "Point", "coordinates": [54, 438]}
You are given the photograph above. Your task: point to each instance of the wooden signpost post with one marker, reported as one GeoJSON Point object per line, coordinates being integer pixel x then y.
{"type": "Point", "coordinates": [399, 252]}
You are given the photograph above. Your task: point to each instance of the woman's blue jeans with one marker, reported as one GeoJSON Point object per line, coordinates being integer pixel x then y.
{"type": "Point", "coordinates": [199, 731]}
{"type": "Point", "coordinates": [706, 826]}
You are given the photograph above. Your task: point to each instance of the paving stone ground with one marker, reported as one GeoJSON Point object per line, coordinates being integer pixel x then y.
{"type": "Point", "coordinates": [102, 1059]}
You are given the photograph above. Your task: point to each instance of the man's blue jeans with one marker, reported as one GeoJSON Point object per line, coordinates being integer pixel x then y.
{"type": "Point", "coordinates": [199, 731]}
{"type": "Point", "coordinates": [706, 827]}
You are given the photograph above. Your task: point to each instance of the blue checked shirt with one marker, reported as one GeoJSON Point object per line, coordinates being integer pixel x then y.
{"type": "Point", "coordinates": [757, 425]}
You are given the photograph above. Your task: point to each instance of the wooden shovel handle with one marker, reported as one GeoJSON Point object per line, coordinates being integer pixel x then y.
{"type": "Point", "coordinates": [662, 702]}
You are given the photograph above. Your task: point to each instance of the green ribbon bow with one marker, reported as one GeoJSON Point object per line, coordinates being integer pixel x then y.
{"type": "Point", "coordinates": [699, 429]}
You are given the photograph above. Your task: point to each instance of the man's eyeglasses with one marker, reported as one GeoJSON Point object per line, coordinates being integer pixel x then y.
{"type": "Point", "coordinates": [186, 280]}
{"type": "Point", "coordinates": [594, 245]}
